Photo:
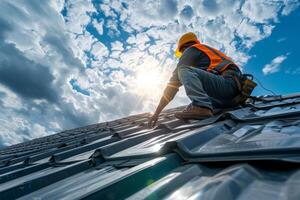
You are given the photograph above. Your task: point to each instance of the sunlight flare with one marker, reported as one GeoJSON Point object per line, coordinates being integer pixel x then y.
{"type": "Point", "coordinates": [149, 81]}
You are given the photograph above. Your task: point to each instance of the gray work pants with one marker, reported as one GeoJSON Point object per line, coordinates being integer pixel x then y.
{"type": "Point", "coordinates": [206, 89]}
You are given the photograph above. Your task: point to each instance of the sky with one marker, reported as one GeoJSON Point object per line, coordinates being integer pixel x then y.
{"type": "Point", "coordinates": [70, 63]}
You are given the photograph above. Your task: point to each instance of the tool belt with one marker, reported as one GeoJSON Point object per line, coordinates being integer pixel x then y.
{"type": "Point", "coordinates": [246, 85]}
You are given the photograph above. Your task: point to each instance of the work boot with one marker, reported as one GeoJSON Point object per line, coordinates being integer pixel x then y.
{"type": "Point", "coordinates": [194, 112]}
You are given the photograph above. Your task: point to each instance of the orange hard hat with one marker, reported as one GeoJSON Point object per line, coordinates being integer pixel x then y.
{"type": "Point", "coordinates": [188, 37]}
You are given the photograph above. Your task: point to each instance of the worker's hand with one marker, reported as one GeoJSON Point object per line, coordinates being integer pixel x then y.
{"type": "Point", "coordinates": [152, 120]}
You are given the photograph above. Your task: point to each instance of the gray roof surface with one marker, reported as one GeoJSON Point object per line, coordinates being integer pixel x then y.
{"type": "Point", "coordinates": [241, 153]}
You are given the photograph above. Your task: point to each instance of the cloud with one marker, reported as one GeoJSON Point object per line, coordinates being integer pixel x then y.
{"type": "Point", "coordinates": [275, 64]}
{"type": "Point", "coordinates": [25, 77]}
{"type": "Point", "coordinates": [99, 26]}
{"type": "Point", "coordinates": [186, 13]}
{"type": "Point", "coordinates": [261, 11]}
{"type": "Point", "coordinates": [65, 64]}
{"type": "Point", "coordinates": [36, 62]}
{"type": "Point", "coordinates": [22, 75]}
{"type": "Point", "coordinates": [292, 70]}
{"type": "Point", "coordinates": [281, 39]}
{"type": "Point", "coordinates": [290, 6]}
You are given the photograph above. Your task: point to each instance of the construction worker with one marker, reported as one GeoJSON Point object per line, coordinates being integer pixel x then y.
{"type": "Point", "coordinates": [210, 78]}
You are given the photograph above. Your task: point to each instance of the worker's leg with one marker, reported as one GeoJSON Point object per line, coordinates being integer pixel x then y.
{"type": "Point", "coordinates": [206, 89]}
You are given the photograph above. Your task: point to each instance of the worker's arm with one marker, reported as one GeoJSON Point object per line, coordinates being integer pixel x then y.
{"type": "Point", "coordinates": [169, 93]}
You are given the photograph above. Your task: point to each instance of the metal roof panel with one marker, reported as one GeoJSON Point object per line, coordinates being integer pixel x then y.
{"type": "Point", "coordinates": [239, 153]}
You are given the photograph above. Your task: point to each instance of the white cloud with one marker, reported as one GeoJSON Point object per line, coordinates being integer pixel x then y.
{"type": "Point", "coordinates": [141, 38]}
{"type": "Point", "coordinates": [107, 10]}
{"type": "Point", "coordinates": [117, 46]}
{"type": "Point", "coordinates": [77, 15]}
{"type": "Point", "coordinates": [9, 99]}
{"type": "Point", "coordinates": [293, 70]}
{"type": "Point", "coordinates": [98, 26]}
{"type": "Point", "coordinates": [281, 39]}
{"type": "Point", "coordinates": [275, 64]}
{"type": "Point", "coordinates": [261, 11]}
{"type": "Point", "coordinates": [112, 26]}
{"type": "Point", "coordinates": [186, 14]}
{"type": "Point", "coordinates": [99, 50]}
{"type": "Point", "coordinates": [290, 6]}
{"type": "Point", "coordinates": [41, 43]}
{"type": "Point", "coordinates": [16, 129]}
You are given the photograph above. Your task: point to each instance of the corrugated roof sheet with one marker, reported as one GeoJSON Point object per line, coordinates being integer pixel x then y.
{"type": "Point", "coordinates": [242, 153]}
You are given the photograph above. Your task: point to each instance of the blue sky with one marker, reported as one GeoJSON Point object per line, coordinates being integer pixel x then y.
{"type": "Point", "coordinates": [70, 63]}
{"type": "Point", "coordinates": [284, 40]}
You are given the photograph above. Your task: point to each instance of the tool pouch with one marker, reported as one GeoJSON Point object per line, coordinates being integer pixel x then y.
{"type": "Point", "coordinates": [247, 85]}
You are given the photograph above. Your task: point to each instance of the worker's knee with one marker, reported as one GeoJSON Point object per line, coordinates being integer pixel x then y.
{"type": "Point", "coordinates": [184, 69]}
{"type": "Point", "coordinates": [190, 69]}
{"type": "Point", "coordinates": [185, 73]}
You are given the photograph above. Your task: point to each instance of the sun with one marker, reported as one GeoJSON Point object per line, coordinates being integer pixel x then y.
{"type": "Point", "coordinates": [149, 82]}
